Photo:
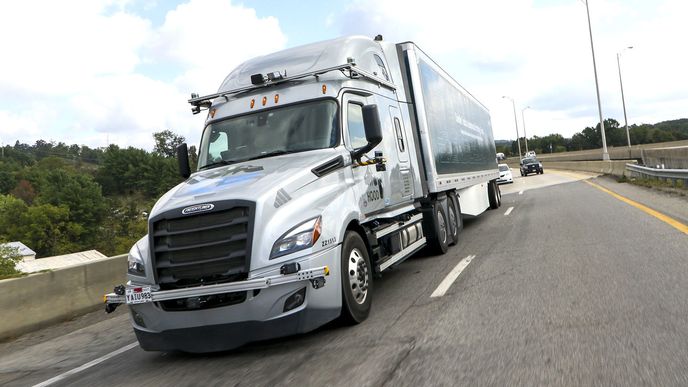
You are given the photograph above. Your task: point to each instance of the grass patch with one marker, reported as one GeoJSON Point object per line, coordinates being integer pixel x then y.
{"type": "Point", "coordinates": [678, 187]}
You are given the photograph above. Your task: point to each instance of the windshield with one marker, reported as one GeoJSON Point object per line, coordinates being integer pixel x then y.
{"type": "Point", "coordinates": [289, 129]}
{"type": "Point", "coordinates": [503, 168]}
{"type": "Point", "coordinates": [529, 161]}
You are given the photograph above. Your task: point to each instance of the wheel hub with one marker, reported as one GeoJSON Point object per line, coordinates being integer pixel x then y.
{"type": "Point", "coordinates": [358, 276]}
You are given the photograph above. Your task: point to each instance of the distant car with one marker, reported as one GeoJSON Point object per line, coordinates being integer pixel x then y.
{"type": "Point", "coordinates": [530, 154]}
{"type": "Point", "coordinates": [531, 165]}
{"type": "Point", "coordinates": [500, 156]}
{"type": "Point", "coordinates": [505, 175]}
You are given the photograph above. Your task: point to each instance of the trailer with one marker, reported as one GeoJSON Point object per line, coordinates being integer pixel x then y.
{"type": "Point", "coordinates": [320, 168]}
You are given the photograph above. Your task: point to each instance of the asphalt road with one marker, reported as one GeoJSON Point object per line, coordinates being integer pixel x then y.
{"type": "Point", "coordinates": [572, 287]}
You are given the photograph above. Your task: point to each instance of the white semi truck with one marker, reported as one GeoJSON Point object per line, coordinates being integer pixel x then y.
{"type": "Point", "coordinates": [319, 168]}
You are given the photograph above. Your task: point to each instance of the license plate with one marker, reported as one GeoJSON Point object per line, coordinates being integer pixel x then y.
{"type": "Point", "coordinates": [139, 295]}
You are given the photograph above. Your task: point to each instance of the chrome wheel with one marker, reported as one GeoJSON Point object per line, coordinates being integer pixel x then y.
{"type": "Point", "coordinates": [358, 276]}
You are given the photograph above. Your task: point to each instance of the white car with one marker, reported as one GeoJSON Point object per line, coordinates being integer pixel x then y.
{"type": "Point", "coordinates": [505, 175]}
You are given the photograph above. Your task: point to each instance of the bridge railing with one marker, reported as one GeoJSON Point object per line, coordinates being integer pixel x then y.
{"type": "Point", "coordinates": [674, 175]}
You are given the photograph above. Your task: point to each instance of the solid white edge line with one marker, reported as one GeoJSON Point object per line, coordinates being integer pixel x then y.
{"type": "Point", "coordinates": [508, 211]}
{"type": "Point", "coordinates": [451, 277]}
{"type": "Point", "coordinates": [86, 366]}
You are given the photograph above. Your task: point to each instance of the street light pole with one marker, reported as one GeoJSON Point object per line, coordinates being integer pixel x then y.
{"type": "Point", "coordinates": [523, 119]}
{"type": "Point", "coordinates": [518, 139]}
{"type": "Point", "coordinates": [623, 100]}
{"type": "Point", "coordinates": [605, 154]}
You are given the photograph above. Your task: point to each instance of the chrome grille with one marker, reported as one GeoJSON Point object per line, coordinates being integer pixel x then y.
{"type": "Point", "coordinates": [206, 248]}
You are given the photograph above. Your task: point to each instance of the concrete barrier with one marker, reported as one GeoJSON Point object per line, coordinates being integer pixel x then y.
{"type": "Point", "coordinates": [669, 158]}
{"type": "Point", "coordinates": [38, 300]}
{"type": "Point", "coordinates": [615, 153]}
{"type": "Point", "coordinates": [614, 167]}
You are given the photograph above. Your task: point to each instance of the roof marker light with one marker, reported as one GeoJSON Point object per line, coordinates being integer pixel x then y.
{"type": "Point", "coordinates": [324, 89]}
{"type": "Point", "coordinates": [253, 102]}
{"type": "Point", "coordinates": [265, 100]}
{"type": "Point", "coordinates": [276, 98]}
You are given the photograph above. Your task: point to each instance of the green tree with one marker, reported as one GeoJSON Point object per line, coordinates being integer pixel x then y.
{"type": "Point", "coordinates": [166, 143]}
{"type": "Point", "coordinates": [78, 192]}
{"type": "Point", "coordinates": [126, 223]}
{"type": "Point", "coordinates": [44, 228]}
{"type": "Point", "coordinates": [9, 257]}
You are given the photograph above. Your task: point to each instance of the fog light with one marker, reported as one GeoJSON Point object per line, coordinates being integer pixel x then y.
{"type": "Point", "coordinates": [295, 300]}
{"type": "Point", "coordinates": [137, 318]}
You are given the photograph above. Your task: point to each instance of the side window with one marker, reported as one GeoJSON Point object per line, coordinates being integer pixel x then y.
{"type": "Point", "coordinates": [217, 146]}
{"type": "Point", "coordinates": [400, 135]}
{"type": "Point", "coordinates": [354, 119]}
{"type": "Point", "coordinates": [381, 65]}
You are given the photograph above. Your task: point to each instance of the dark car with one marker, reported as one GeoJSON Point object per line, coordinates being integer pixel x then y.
{"type": "Point", "coordinates": [531, 165]}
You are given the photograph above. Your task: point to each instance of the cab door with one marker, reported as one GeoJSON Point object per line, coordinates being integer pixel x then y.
{"type": "Point", "coordinates": [401, 178]}
{"type": "Point", "coordinates": [371, 185]}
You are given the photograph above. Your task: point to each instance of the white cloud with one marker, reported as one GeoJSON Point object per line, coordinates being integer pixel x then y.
{"type": "Point", "coordinates": [85, 71]}
{"type": "Point", "coordinates": [210, 38]}
{"type": "Point", "coordinates": [540, 55]}
{"type": "Point", "coordinates": [73, 72]}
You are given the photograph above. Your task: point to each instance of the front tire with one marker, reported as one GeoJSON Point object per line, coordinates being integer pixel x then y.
{"type": "Point", "coordinates": [357, 279]}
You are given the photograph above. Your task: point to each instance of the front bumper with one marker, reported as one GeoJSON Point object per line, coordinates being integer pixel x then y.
{"type": "Point", "coordinates": [261, 315]}
{"type": "Point", "coordinates": [316, 276]}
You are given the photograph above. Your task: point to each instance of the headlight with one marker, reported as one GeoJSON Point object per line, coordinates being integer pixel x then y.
{"type": "Point", "coordinates": [298, 238]}
{"type": "Point", "coordinates": [135, 262]}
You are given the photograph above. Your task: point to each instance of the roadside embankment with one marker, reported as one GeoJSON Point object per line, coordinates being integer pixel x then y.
{"type": "Point", "coordinates": [38, 300]}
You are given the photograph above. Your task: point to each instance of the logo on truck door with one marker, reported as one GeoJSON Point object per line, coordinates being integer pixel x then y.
{"type": "Point", "coordinates": [374, 191]}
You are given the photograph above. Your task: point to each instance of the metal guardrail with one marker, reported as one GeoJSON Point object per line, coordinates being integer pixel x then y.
{"type": "Point", "coordinates": [674, 174]}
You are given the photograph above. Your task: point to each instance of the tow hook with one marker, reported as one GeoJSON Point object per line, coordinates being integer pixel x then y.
{"type": "Point", "coordinates": [119, 290]}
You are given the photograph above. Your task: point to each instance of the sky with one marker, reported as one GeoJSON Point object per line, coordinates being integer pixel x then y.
{"type": "Point", "coordinates": [99, 72]}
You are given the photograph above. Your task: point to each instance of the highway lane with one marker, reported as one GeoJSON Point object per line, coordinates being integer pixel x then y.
{"type": "Point", "coordinates": [571, 287]}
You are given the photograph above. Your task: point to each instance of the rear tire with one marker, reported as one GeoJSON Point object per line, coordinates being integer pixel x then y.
{"type": "Point", "coordinates": [357, 279]}
{"type": "Point", "coordinates": [493, 195]}
{"type": "Point", "coordinates": [437, 228]}
{"type": "Point", "coordinates": [455, 221]}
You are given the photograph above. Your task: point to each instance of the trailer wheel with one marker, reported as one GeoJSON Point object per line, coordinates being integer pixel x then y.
{"type": "Point", "coordinates": [357, 279]}
{"type": "Point", "coordinates": [437, 227]}
{"type": "Point", "coordinates": [455, 222]}
{"type": "Point", "coordinates": [493, 195]}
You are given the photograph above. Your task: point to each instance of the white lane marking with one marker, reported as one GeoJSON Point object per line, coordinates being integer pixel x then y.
{"type": "Point", "coordinates": [520, 192]}
{"type": "Point", "coordinates": [451, 277]}
{"type": "Point", "coordinates": [508, 211]}
{"type": "Point", "coordinates": [87, 365]}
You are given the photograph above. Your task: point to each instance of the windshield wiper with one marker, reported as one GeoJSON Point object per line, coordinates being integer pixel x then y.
{"type": "Point", "coordinates": [217, 163]}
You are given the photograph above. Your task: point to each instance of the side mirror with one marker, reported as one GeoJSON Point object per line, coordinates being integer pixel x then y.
{"type": "Point", "coordinates": [373, 130]}
{"type": "Point", "coordinates": [183, 160]}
